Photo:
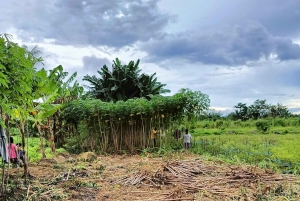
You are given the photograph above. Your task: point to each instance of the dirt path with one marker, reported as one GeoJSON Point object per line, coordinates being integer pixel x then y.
{"type": "Point", "coordinates": [176, 177]}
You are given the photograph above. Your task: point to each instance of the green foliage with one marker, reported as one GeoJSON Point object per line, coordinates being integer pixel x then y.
{"type": "Point", "coordinates": [67, 90]}
{"type": "Point", "coordinates": [219, 123]}
{"type": "Point", "coordinates": [127, 124]}
{"type": "Point", "coordinates": [278, 122]}
{"type": "Point", "coordinates": [196, 102]}
{"type": "Point", "coordinates": [262, 125]}
{"type": "Point", "coordinates": [259, 109]}
{"type": "Point", "coordinates": [136, 118]}
{"type": "Point", "coordinates": [80, 110]}
{"type": "Point", "coordinates": [17, 73]}
{"type": "Point", "coordinates": [123, 83]}
{"type": "Point", "coordinates": [34, 153]}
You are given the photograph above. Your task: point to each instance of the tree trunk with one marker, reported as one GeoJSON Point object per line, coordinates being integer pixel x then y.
{"type": "Point", "coordinates": [51, 135]}
{"type": "Point", "coordinates": [54, 129]}
{"type": "Point", "coordinates": [26, 172]}
{"type": "Point", "coordinates": [41, 140]}
{"type": "Point", "coordinates": [7, 126]}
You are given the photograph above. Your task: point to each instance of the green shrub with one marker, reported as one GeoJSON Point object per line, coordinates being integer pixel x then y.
{"type": "Point", "coordinates": [237, 123]}
{"type": "Point", "coordinates": [294, 122]}
{"type": "Point", "coordinates": [219, 123]}
{"type": "Point", "coordinates": [226, 124]}
{"type": "Point", "coordinates": [279, 122]}
{"type": "Point", "coordinates": [262, 125]}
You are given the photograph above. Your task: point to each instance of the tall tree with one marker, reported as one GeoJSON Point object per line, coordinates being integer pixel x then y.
{"type": "Point", "coordinates": [278, 111]}
{"type": "Point", "coordinates": [259, 109]}
{"type": "Point", "coordinates": [123, 82]}
{"type": "Point", "coordinates": [242, 111]}
{"type": "Point", "coordinates": [17, 73]}
{"type": "Point", "coordinates": [196, 102]}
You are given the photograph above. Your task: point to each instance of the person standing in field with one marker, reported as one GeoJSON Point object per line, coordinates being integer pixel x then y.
{"type": "Point", "coordinates": [187, 137]}
{"type": "Point", "coordinates": [20, 153]}
{"type": "Point", "coordinates": [153, 136]}
{"type": "Point", "coordinates": [12, 151]}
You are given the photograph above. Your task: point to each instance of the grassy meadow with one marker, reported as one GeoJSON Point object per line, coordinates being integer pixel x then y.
{"type": "Point", "coordinates": [278, 148]}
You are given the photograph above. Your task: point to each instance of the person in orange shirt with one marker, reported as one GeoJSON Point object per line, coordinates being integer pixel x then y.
{"type": "Point", "coordinates": [153, 136]}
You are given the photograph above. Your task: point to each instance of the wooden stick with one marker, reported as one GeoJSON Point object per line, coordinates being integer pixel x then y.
{"type": "Point", "coordinates": [28, 191]}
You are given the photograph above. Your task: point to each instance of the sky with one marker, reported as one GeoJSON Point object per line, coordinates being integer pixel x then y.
{"type": "Point", "coordinates": [234, 51]}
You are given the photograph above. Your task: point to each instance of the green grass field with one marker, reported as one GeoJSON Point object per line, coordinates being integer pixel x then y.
{"type": "Point", "coordinates": [278, 148]}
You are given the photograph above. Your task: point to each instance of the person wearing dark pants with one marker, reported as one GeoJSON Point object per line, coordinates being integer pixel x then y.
{"type": "Point", "coordinates": [187, 139]}
{"type": "Point", "coordinates": [153, 136]}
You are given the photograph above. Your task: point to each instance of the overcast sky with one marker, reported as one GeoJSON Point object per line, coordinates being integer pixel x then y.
{"type": "Point", "coordinates": [234, 51]}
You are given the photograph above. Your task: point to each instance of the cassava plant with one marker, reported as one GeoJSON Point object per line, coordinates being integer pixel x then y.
{"type": "Point", "coordinates": [127, 125]}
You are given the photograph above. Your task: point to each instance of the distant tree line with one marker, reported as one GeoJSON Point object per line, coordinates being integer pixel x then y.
{"type": "Point", "coordinates": [258, 110]}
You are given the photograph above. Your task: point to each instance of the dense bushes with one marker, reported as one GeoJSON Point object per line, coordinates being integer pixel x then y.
{"type": "Point", "coordinates": [259, 124]}
{"type": "Point", "coordinates": [262, 125]}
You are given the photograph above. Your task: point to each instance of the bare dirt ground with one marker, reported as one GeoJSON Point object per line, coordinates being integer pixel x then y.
{"type": "Point", "coordinates": [181, 176]}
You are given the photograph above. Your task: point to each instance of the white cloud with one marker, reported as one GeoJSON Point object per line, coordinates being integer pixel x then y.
{"type": "Point", "coordinates": [234, 52]}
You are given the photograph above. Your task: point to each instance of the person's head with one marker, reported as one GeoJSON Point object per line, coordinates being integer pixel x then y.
{"type": "Point", "coordinates": [155, 128]}
{"type": "Point", "coordinates": [186, 131]}
{"type": "Point", "coordinates": [19, 144]}
{"type": "Point", "coordinates": [11, 140]}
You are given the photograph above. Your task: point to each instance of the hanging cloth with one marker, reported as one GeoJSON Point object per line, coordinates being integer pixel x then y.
{"type": "Point", "coordinates": [3, 147]}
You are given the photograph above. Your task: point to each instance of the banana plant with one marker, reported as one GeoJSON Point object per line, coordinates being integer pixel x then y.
{"type": "Point", "coordinates": [124, 82]}
{"type": "Point", "coordinates": [40, 113]}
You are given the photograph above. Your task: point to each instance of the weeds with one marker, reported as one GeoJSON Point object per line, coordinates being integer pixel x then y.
{"type": "Point", "coordinates": [267, 151]}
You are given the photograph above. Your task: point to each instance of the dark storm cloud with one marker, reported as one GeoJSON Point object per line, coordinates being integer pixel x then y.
{"type": "Point", "coordinates": [235, 46]}
{"type": "Point", "coordinates": [280, 18]}
{"type": "Point", "coordinates": [114, 23]}
{"type": "Point", "coordinates": [286, 49]}
{"type": "Point", "coordinates": [93, 63]}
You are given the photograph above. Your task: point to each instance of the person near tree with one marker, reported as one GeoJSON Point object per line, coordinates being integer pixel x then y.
{"type": "Point", "coordinates": [153, 136]}
{"type": "Point", "coordinates": [20, 153]}
{"type": "Point", "coordinates": [187, 137]}
{"type": "Point", "coordinates": [12, 151]}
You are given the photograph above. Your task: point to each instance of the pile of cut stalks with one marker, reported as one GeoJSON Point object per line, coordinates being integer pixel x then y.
{"type": "Point", "coordinates": [185, 180]}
